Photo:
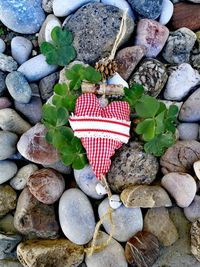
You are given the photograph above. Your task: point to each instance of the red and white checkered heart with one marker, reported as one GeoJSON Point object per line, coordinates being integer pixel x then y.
{"type": "Point", "coordinates": [100, 150]}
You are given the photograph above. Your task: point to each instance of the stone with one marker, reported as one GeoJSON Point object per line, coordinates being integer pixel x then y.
{"type": "Point", "coordinates": [35, 89]}
{"type": "Point", "coordinates": [152, 35]}
{"type": "Point", "coordinates": [21, 49]}
{"type": "Point", "coordinates": [63, 9]}
{"type": "Point", "coordinates": [194, 1]}
{"type": "Point", "coordinates": [34, 217]}
{"type": "Point", "coordinates": [18, 87]}
{"type": "Point", "coordinates": [8, 199]}
{"type": "Point", "coordinates": [179, 45]}
{"type": "Point", "coordinates": [59, 166]}
{"type": "Point", "coordinates": [11, 121]}
{"type": "Point", "coordinates": [145, 196]}
{"type": "Point", "coordinates": [130, 166]}
{"type": "Point", "coordinates": [180, 157]}
{"type": "Point", "coordinates": [188, 131]}
{"type": "Point", "coordinates": [152, 74]}
{"type": "Point", "coordinates": [34, 147]}
{"type": "Point", "coordinates": [186, 15]}
{"type": "Point", "coordinates": [2, 46]}
{"type": "Point", "coordinates": [150, 9]}
{"type": "Point", "coordinates": [167, 12]}
{"type": "Point", "coordinates": [54, 253]}
{"type": "Point", "coordinates": [47, 185]}
{"type": "Point", "coordinates": [190, 109]}
{"type": "Point", "coordinates": [47, 5]}
{"type": "Point", "coordinates": [192, 212]}
{"type": "Point", "coordinates": [181, 82]}
{"type": "Point", "coordinates": [115, 202]}
{"type": "Point", "coordinates": [127, 221]}
{"type": "Point", "coordinates": [196, 167]}
{"type": "Point", "coordinates": [8, 143]}
{"type": "Point", "coordinates": [121, 4]}
{"type": "Point", "coordinates": [99, 33]}
{"type": "Point", "coordinates": [23, 17]}
{"type": "Point", "coordinates": [195, 242]}
{"type": "Point", "coordinates": [158, 222]}
{"type": "Point", "coordinates": [10, 263]}
{"type": "Point", "coordinates": [117, 79]}
{"type": "Point", "coordinates": [87, 181]}
{"type": "Point", "coordinates": [181, 186]}
{"type": "Point", "coordinates": [75, 207]}
{"type": "Point", "coordinates": [2, 82]}
{"type": "Point", "coordinates": [195, 53]}
{"type": "Point", "coordinates": [112, 255]}
{"type": "Point", "coordinates": [8, 244]}
{"type": "Point", "coordinates": [45, 32]}
{"type": "Point", "coordinates": [127, 59]}
{"type": "Point", "coordinates": [46, 85]}
{"type": "Point", "coordinates": [5, 102]}
{"type": "Point", "coordinates": [36, 68]}
{"type": "Point", "coordinates": [7, 63]}
{"type": "Point", "coordinates": [8, 169]}
{"type": "Point", "coordinates": [21, 178]}
{"type": "Point", "coordinates": [142, 249]}
{"type": "Point", "coordinates": [32, 111]}
{"type": "Point", "coordinates": [7, 224]}
{"type": "Point", "coordinates": [178, 254]}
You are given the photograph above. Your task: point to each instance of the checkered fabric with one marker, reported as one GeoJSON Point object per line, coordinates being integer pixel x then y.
{"type": "Point", "coordinates": [101, 149]}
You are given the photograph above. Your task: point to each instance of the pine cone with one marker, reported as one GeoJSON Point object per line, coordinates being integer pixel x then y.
{"type": "Point", "coordinates": [106, 67]}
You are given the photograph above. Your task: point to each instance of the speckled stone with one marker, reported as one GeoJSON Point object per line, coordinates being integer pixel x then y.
{"type": "Point", "coordinates": [130, 166]}
{"type": "Point", "coordinates": [7, 63]}
{"type": "Point", "coordinates": [46, 85]}
{"type": "Point", "coordinates": [152, 74]}
{"type": "Point", "coordinates": [47, 5]}
{"type": "Point", "coordinates": [8, 199]}
{"type": "Point", "coordinates": [195, 240]}
{"type": "Point", "coordinates": [99, 33]}
{"type": "Point", "coordinates": [8, 243]}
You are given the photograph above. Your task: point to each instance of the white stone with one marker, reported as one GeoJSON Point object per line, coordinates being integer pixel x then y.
{"type": "Point", "coordinates": [62, 8]}
{"type": "Point", "coordinates": [7, 170]}
{"type": "Point", "coordinates": [76, 216]}
{"type": "Point", "coordinates": [121, 4]}
{"type": "Point", "coordinates": [36, 68]}
{"type": "Point", "coordinates": [181, 81]}
{"type": "Point", "coordinates": [127, 221]}
{"type": "Point", "coordinates": [196, 167]}
{"type": "Point", "coordinates": [167, 12]}
{"type": "Point", "coordinates": [2, 46]}
{"type": "Point", "coordinates": [117, 79]}
{"type": "Point", "coordinates": [20, 180]}
{"type": "Point", "coordinates": [115, 202]}
{"type": "Point", "coordinates": [21, 49]}
{"type": "Point", "coordinates": [188, 131]}
{"type": "Point", "coordinates": [100, 189]}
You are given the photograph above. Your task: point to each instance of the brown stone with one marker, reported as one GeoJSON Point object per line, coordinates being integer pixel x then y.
{"type": "Point", "coordinates": [195, 239]}
{"type": "Point", "coordinates": [142, 249]}
{"type": "Point", "coordinates": [180, 157]}
{"type": "Point", "coordinates": [145, 196]}
{"type": "Point", "coordinates": [34, 217]}
{"type": "Point", "coordinates": [8, 199]}
{"type": "Point", "coordinates": [34, 147]}
{"type": "Point", "coordinates": [47, 185]}
{"type": "Point", "coordinates": [127, 59]}
{"type": "Point", "coordinates": [50, 253]}
{"type": "Point", "coordinates": [186, 15]}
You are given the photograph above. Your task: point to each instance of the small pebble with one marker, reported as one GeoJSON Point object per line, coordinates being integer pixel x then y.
{"type": "Point", "coordinates": [192, 213]}
{"type": "Point", "coordinates": [47, 5]}
{"type": "Point", "coordinates": [8, 169]}
{"type": "Point", "coordinates": [181, 186]}
{"type": "Point", "coordinates": [7, 63]}
{"type": "Point", "coordinates": [8, 144]}
{"type": "Point", "coordinates": [8, 199]}
{"type": "Point", "coordinates": [167, 12]}
{"type": "Point", "coordinates": [2, 46]}
{"type": "Point", "coordinates": [2, 82]}
{"type": "Point", "coordinates": [188, 131]}
{"type": "Point", "coordinates": [21, 49]}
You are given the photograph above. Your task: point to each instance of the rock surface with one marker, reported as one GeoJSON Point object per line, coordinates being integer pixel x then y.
{"type": "Point", "coordinates": [127, 221]}
{"type": "Point", "coordinates": [167, 12]}
{"type": "Point", "coordinates": [8, 142]}
{"type": "Point", "coordinates": [46, 85]}
{"type": "Point", "coordinates": [21, 49]}
{"type": "Point", "coordinates": [47, 5]}
{"type": "Point", "coordinates": [158, 222]}
{"type": "Point", "coordinates": [8, 199]}
{"type": "Point", "coordinates": [5, 102]}
{"type": "Point", "coordinates": [35, 218]}
{"type": "Point", "coordinates": [23, 17]}
{"type": "Point", "coordinates": [195, 242]}
{"type": "Point", "coordinates": [8, 244]}
{"type": "Point", "coordinates": [7, 63]}
{"type": "Point", "coordinates": [145, 196]}
{"type": "Point", "coordinates": [180, 157]}
{"type": "Point", "coordinates": [75, 207]}
{"type": "Point", "coordinates": [7, 224]}
{"type": "Point", "coordinates": [192, 213]}
{"type": "Point", "coordinates": [33, 146]}
{"type": "Point", "coordinates": [188, 131]}
{"type": "Point", "coordinates": [54, 253]}
{"type": "Point", "coordinates": [8, 169]}
{"type": "Point", "coordinates": [121, 4]}
{"type": "Point", "coordinates": [130, 166]}
{"type": "Point", "coordinates": [99, 33]}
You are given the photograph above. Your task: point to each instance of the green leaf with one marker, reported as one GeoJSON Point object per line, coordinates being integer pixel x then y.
{"type": "Point", "coordinates": [147, 107]}
{"type": "Point", "coordinates": [50, 136]}
{"type": "Point", "coordinates": [57, 101]}
{"type": "Point", "coordinates": [92, 75]}
{"type": "Point", "coordinates": [159, 144]}
{"type": "Point", "coordinates": [76, 142]}
{"type": "Point", "coordinates": [171, 119]}
{"type": "Point", "coordinates": [160, 126]}
{"type": "Point", "coordinates": [49, 114]}
{"type": "Point", "coordinates": [146, 128]}
{"type": "Point", "coordinates": [60, 51]}
{"type": "Point", "coordinates": [133, 94]}
{"type": "Point", "coordinates": [67, 158]}
{"type": "Point", "coordinates": [61, 89]}
{"type": "Point", "coordinates": [62, 116]}
{"type": "Point", "coordinates": [79, 162]}
{"type": "Point", "coordinates": [173, 111]}
{"type": "Point", "coordinates": [67, 133]}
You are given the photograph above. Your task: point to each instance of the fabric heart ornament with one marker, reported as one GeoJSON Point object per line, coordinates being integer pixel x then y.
{"type": "Point", "coordinates": [102, 130]}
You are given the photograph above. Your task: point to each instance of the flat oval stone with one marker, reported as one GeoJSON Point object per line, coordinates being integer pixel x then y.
{"type": "Point", "coordinates": [36, 68]}
{"type": "Point", "coordinates": [21, 49]}
{"type": "Point", "coordinates": [127, 221]}
{"type": "Point", "coordinates": [87, 181]}
{"type": "Point", "coordinates": [167, 12]}
{"type": "Point", "coordinates": [25, 16]}
{"type": "Point", "coordinates": [8, 144]}
{"type": "Point", "coordinates": [47, 185]}
{"type": "Point", "coordinates": [8, 169]}
{"type": "Point", "coordinates": [18, 87]}
{"type": "Point", "coordinates": [112, 255]}
{"type": "Point", "coordinates": [8, 199]}
{"type": "Point", "coordinates": [76, 216]}
{"type": "Point", "coordinates": [188, 131]}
